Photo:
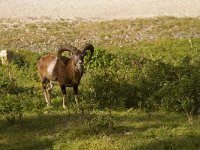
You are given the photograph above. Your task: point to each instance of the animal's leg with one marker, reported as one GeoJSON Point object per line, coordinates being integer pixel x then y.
{"type": "Point", "coordinates": [76, 94]}
{"type": "Point", "coordinates": [77, 98]}
{"type": "Point", "coordinates": [50, 86]}
{"type": "Point", "coordinates": [46, 95]}
{"type": "Point", "coordinates": [46, 92]}
{"type": "Point", "coordinates": [63, 88]}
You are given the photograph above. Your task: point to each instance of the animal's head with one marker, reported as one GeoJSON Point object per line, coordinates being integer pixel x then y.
{"type": "Point", "coordinates": [78, 58]}
{"type": "Point", "coordinates": [77, 55]}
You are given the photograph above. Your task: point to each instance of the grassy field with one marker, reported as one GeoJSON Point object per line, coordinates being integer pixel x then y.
{"type": "Point", "coordinates": [128, 129]}
{"type": "Point", "coordinates": [149, 98]}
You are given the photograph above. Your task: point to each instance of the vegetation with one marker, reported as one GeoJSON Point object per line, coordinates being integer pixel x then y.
{"type": "Point", "coordinates": [140, 91]}
{"type": "Point", "coordinates": [130, 129]}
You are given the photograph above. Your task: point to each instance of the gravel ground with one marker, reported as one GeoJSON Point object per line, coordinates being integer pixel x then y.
{"type": "Point", "coordinates": [97, 9]}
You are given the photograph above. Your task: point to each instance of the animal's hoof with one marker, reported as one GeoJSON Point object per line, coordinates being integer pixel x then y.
{"type": "Point", "coordinates": [64, 107]}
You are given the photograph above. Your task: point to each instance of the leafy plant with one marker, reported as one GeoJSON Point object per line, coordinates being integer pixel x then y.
{"type": "Point", "coordinates": [102, 122]}
{"type": "Point", "coordinates": [100, 59]}
{"type": "Point", "coordinates": [12, 107]}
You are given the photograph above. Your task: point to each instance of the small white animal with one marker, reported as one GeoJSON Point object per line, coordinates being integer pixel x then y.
{"type": "Point", "coordinates": [6, 56]}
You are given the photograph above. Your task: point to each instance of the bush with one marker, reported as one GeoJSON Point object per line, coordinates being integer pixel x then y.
{"type": "Point", "coordinates": [100, 59]}
{"type": "Point", "coordinates": [113, 81]}
{"type": "Point", "coordinates": [16, 96]}
{"type": "Point", "coordinates": [11, 106]}
{"type": "Point", "coordinates": [102, 123]}
{"type": "Point", "coordinates": [172, 88]}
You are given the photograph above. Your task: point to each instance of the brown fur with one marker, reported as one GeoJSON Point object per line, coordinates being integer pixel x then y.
{"type": "Point", "coordinates": [62, 69]}
{"type": "Point", "coordinates": [67, 72]}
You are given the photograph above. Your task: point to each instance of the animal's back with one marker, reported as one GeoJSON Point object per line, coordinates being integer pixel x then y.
{"type": "Point", "coordinates": [47, 66]}
{"type": "Point", "coordinates": [44, 65]}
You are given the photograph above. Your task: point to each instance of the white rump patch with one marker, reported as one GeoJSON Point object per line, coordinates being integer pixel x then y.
{"type": "Point", "coordinates": [51, 66]}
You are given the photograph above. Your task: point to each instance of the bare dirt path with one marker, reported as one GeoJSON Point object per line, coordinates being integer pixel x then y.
{"type": "Point", "coordinates": [97, 9]}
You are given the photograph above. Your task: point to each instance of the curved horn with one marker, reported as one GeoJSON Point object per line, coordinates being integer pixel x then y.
{"type": "Point", "coordinates": [90, 47]}
{"type": "Point", "coordinates": [66, 47]}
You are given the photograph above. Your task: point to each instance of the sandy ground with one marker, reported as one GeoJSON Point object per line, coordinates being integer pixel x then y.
{"type": "Point", "coordinates": [97, 9]}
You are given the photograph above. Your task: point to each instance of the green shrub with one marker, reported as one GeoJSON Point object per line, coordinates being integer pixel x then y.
{"type": "Point", "coordinates": [115, 81]}
{"type": "Point", "coordinates": [172, 88]}
{"type": "Point", "coordinates": [100, 59]}
{"type": "Point", "coordinates": [102, 122]}
{"type": "Point", "coordinates": [11, 106]}
{"type": "Point", "coordinates": [16, 97]}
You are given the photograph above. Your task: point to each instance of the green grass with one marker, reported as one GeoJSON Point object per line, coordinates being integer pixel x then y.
{"type": "Point", "coordinates": [130, 129]}
{"type": "Point", "coordinates": [150, 65]}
